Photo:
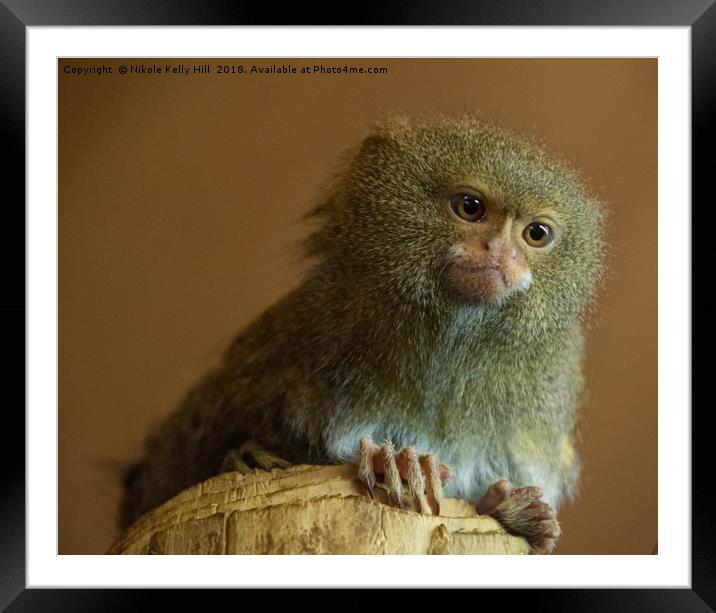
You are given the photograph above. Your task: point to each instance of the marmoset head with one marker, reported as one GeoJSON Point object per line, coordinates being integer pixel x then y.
{"type": "Point", "coordinates": [458, 211]}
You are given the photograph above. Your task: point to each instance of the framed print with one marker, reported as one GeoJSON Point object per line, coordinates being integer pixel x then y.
{"type": "Point", "coordinates": [170, 173]}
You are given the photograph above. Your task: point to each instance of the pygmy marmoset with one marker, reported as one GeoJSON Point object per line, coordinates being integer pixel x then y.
{"type": "Point", "coordinates": [443, 316]}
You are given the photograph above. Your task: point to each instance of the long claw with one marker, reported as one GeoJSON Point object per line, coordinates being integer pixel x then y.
{"type": "Point", "coordinates": [429, 465]}
{"type": "Point", "coordinates": [391, 475]}
{"type": "Point", "coordinates": [423, 474]}
{"type": "Point", "coordinates": [416, 483]}
{"type": "Point", "coordinates": [365, 465]}
{"type": "Point", "coordinates": [251, 456]}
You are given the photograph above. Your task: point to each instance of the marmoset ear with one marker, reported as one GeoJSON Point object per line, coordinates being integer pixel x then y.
{"type": "Point", "coordinates": [386, 131]}
{"type": "Point", "coordinates": [325, 232]}
{"type": "Point", "coordinates": [373, 144]}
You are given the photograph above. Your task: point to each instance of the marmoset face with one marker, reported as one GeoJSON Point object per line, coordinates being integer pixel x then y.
{"type": "Point", "coordinates": [462, 212]}
{"type": "Point", "coordinates": [491, 259]}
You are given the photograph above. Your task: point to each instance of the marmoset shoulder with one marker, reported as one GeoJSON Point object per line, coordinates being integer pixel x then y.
{"type": "Point", "coordinates": [437, 340]}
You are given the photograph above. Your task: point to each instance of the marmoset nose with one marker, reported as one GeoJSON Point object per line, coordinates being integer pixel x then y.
{"type": "Point", "coordinates": [496, 246]}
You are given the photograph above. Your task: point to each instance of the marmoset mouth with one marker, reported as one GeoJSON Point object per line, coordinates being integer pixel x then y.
{"type": "Point", "coordinates": [482, 269]}
{"type": "Point", "coordinates": [478, 282]}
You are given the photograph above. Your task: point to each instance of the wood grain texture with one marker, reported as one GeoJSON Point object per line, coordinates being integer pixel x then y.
{"type": "Point", "coordinates": [307, 510]}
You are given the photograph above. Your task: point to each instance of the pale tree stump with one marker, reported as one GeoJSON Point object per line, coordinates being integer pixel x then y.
{"type": "Point", "coordinates": [307, 510]}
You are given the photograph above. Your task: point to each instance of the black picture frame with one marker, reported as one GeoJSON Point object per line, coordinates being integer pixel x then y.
{"type": "Point", "coordinates": [17, 15]}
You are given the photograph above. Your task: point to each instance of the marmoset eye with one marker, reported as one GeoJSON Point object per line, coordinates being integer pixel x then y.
{"type": "Point", "coordinates": [538, 234]}
{"type": "Point", "coordinates": [468, 207]}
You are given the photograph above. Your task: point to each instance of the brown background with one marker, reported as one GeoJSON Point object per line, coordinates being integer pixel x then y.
{"type": "Point", "coordinates": [178, 208]}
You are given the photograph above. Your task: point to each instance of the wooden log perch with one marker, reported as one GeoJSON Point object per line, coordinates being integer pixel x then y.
{"type": "Point", "coordinates": [307, 510]}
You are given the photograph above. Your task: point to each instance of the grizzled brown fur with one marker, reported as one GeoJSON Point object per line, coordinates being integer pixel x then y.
{"type": "Point", "coordinates": [373, 344]}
